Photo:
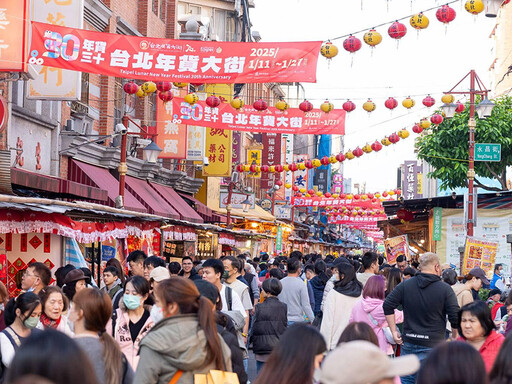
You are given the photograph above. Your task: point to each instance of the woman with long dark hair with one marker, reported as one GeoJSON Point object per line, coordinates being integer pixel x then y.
{"type": "Point", "coordinates": [394, 278]}
{"type": "Point", "coordinates": [54, 356]}
{"type": "Point", "coordinates": [300, 351]}
{"type": "Point", "coordinates": [21, 317]}
{"type": "Point", "coordinates": [339, 303]}
{"type": "Point", "coordinates": [358, 331]}
{"type": "Point", "coordinates": [184, 341]}
{"type": "Point", "coordinates": [90, 314]}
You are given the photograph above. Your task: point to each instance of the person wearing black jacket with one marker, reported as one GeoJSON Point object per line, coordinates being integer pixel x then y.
{"type": "Point", "coordinates": [188, 270]}
{"type": "Point", "coordinates": [426, 301]}
{"type": "Point", "coordinates": [270, 322]}
{"type": "Point", "coordinates": [225, 328]}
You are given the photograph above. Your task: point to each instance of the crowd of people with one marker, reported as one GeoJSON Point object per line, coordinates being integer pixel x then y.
{"type": "Point", "coordinates": [306, 318]}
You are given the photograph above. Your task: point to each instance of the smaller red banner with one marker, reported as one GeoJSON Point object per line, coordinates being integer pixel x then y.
{"type": "Point", "coordinates": [23, 242]}
{"type": "Point", "coordinates": [335, 203]}
{"type": "Point", "coordinates": [248, 119]}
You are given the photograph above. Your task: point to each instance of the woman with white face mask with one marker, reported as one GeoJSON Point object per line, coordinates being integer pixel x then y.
{"type": "Point", "coordinates": [21, 317]}
{"type": "Point", "coordinates": [132, 319]}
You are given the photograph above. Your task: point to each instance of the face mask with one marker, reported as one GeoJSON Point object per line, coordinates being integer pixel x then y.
{"type": "Point", "coordinates": [31, 289]}
{"type": "Point", "coordinates": [225, 275]}
{"type": "Point", "coordinates": [156, 314]}
{"type": "Point", "coordinates": [31, 322]}
{"type": "Point", "coordinates": [2, 307]}
{"type": "Point", "coordinates": [131, 301]}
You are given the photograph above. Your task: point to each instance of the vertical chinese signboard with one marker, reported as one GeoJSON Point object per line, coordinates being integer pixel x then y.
{"type": "Point", "coordinates": [14, 25]}
{"type": "Point", "coordinates": [195, 143]}
{"type": "Point", "coordinates": [410, 180]}
{"type": "Point", "coordinates": [57, 83]}
{"type": "Point", "coordinates": [254, 157]}
{"type": "Point", "coordinates": [236, 148]}
{"type": "Point", "coordinates": [218, 143]}
{"type": "Point", "coordinates": [301, 176]}
{"type": "Point", "coordinates": [288, 158]}
{"type": "Point", "coordinates": [279, 239]}
{"type": "Point", "coordinates": [172, 133]}
{"type": "Point", "coordinates": [271, 156]}
{"type": "Point", "coordinates": [437, 222]}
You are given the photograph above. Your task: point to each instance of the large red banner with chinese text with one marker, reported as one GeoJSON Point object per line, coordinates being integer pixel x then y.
{"type": "Point", "coordinates": [272, 120]}
{"type": "Point", "coordinates": [335, 203]}
{"type": "Point", "coordinates": [356, 220]}
{"type": "Point", "coordinates": [158, 59]}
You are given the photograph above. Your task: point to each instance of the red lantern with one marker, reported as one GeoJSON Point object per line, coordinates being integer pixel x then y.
{"type": "Point", "coordinates": [253, 168]}
{"type": "Point", "coordinates": [279, 168]}
{"type": "Point", "coordinates": [429, 101]}
{"type": "Point", "coordinates": [342, 196]}
{"type": "Point", "coordinates": [348, 106]}
{"type": "Point", "coordinates": [325, 160]}
{"type": "Point", "coordinates": [417, 129]}
{"type": "Point", "coordinates": [436, 119]}
{"type": "Point", "coordinates": [376, 146]}
{"type": "Point", "coordinates": [240, 167]}
{"type": "Point", "coordinates": [327, 194]}
{"type": "Point", "coordinates": [384, 194]}
{"type": "Point", "coordinates": [260, 105]}
{"type": "Point", "coordinates": [212, 101]}
{"type": "Point", "coordinates": [370, 196]}
{"type": "Point", "coordinates": [165, 96]}
{"type": "Point", "coordinates": [130, 88]}
{"type": "Point", "coordinates": [404, 214]}
{"type": "Point", "coordinates": [264, 168]}
{"type": "Point", "coordinates": [394, 138]}
{"type": "Point", "coordinates": [279, 183]}
{"type": "Point", "coordinates": [163, 86]}
{"type": "Point", "coordinates": [397, 30]}
{"type": "Point", "coordinates": [308, 164]}
{"type": "Point", "coordinates": [306, 106]}
{"type": "Point", "coordinates": [295, 188]}
{"type": "Point", "coordinates": [391, 103]}
{"type": "Point", "coordinates": [445, 14]}
{"type": "Point", "coordinates": [358, 152]}
{"type": "Point", "coordinates": [356, 197]}
{"type": "Point", "coordinates": [293, 167]}
{"type": "Point", "coordinates": [352, 44]}
{"type": "Point", "coordinates": [398, 192]}
{"type": "Point", "coordinates": [311, 192]}
{"type": "Point", "coordinates": [460, 107]}
{"type": "Point", "coordinates": [340, 157]}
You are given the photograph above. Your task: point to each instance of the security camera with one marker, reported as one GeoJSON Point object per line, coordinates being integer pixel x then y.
{"type": "Point", "coordinates": [120, 128]}
{"type": "Point", "coordinates": [206, 162]}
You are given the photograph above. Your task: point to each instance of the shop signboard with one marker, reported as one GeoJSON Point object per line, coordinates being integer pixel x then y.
{"type": "Point", "coordinates": [397, 246]}
{"type": "Point", "coordinates": [237, 199]}
{"type": "Point", "coordinates": [479, 253]}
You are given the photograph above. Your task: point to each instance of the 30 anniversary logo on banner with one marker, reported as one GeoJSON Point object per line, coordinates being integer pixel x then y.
{"type": "Point", "coordinates": [157, 59]}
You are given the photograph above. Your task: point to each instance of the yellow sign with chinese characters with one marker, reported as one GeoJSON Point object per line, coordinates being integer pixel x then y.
{"type": "Point", "coordinates": [254, 157]}
{"type": "Point", "coordinates": [419, 184]}
{"type": "Point", "coordinates": [57, 83]}
{"type": "Point", "coordinates": [218, 141]}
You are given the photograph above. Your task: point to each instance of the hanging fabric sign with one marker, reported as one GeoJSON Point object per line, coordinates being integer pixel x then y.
{"type": "Point", "coordinates": [173, 60]}
{"type": "Point", "coordinates": [272, 120]}
{"type": "Point", "coordinates": [330, 202]}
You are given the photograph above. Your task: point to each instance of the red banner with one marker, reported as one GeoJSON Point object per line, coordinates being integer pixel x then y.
{"type": "Point", "coordinates": [248, 119]}
{"type": "Point", "coordinates": [157, 59]}
{"type": "Point", "coordinates": [271, 156]}
{"type": "Point", "coordinates": [356, 220]}
{"type": "Point", "coordinates": [335, 203]}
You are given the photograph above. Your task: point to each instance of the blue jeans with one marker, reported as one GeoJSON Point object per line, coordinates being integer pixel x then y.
{"type": "Point", "coordinates": [259, 366]}
{"type": "Point", "coordinates": [413, 349]}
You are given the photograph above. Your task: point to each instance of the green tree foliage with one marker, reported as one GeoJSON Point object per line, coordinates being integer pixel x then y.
{"type": "Point", "coordinates": [447, 148]}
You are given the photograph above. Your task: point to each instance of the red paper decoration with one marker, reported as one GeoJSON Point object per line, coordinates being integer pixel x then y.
{"type": "Point", "coordinates": [308, 164]}
{"type": "Point", "coordinates": [436, 119]}
{"type": "Point", "coordinates": [397, 30]}
{"type": "Point", "coordinates": [460, 107]}
{"type": "Point", "coordinates": [240, 168]}
{"type": "Point", "coordinates": [352, 44]}
{"type": "Point", "coordinates": [445, 14]}
{"type": "Point", "coordinates": [394, 138]}
{"type": "Point", "coordinates": [348, 106]}
{"type": "Point", "coordinates": [165, 96]}
{"type": "Point", "coordinates": [306, 106]}
{"type": "Point", "coordinates": [260, 105]}
{"type": "Point", "coordinates": [391, 103]}
{"type": "Point", "coordinates": [253, 168]}
{"type": "Point", "coordinates": [295, 188]}
{"type": "Point", "coordinates": [376, 146]}
{"type": "Point", "coordinates": [279, 168]}
{"type": "Point", "coordinates": [163, 86]}
{"type": "Point", "coordinates": [417, 129]}
{"type": "Point", "coordinates": [213, 101]}
{"type": "Point", "coordinates": [358, 152]}
{"type": "Point", "coordinates": [429, 101]}
{"type": "Point", "coordinates": [340, 157]}
{"type": "Point", "coordinates": [130, 88]}
{"type": "Point", "coordinates": [325, 160]}
{"type": "Point", "coordinates": [264, 168]}
{"type": "Point", "coordinates": [293, 167]}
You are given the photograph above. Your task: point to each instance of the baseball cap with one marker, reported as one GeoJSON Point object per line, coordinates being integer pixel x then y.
{"type": "Point", "coordinates": [363, 362]}
{"type": "Point", "coordinates": [159, 274]}
{"type": "Point", "coordinates": [480, 273]}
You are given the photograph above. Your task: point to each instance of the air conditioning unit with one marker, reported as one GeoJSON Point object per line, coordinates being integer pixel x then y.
{"type": "Point", "coordinates": [79, 125]}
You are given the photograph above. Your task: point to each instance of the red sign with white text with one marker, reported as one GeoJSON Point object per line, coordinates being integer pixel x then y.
{"type": "Point", "coordinates": [272, 120]}
{"type": "Point", "coordinates": [356, 220]}
{"type": "Point", "coordinates": [158, 59]}
{"type": "Point", "coordinates": [331, 202]}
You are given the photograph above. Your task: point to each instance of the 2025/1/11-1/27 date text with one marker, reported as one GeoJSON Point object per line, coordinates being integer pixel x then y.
{"type": "Point", "coordinates": [264, 64]}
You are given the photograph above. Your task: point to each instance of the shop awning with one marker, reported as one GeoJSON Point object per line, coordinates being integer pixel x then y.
{"type": "Point", "coordinates": [148, 197]}
{"type": "Point", "coordinates": [208, 214]}
{"type": "Point", "coordinates": [101, 178]}
{"type": "Point", "coordinates": [185, 211]}
{"type": "Point", "coordinates": [256, 214]}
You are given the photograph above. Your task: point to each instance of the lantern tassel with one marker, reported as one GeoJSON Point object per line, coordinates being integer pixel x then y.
{"type": "Point", "coordinates": [351, 60]}
{"type": "Point", "coordinates": [361, 5]}
{"type": "Point", "coordinates": [445, 29]}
